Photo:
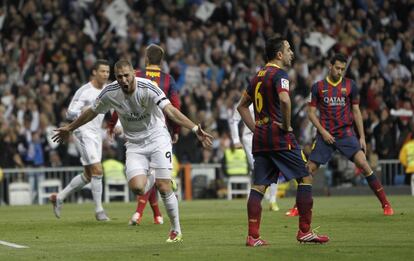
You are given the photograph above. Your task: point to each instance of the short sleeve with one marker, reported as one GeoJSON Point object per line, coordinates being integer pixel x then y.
{"type": "Point", "coordinates": [250, 87]}
{"type": "Point", "coordinates": [354, 93]}
{"type": "Point", "coordinates": [313, 96]}
{"type": "Point", "coordinates": [157, 95]}
{"type": "Point", "coordinates": [75, 106]}
{"type": "Point", "coordinates": [101, 104]}
{"type": "Point", "coordinates": [281, 82]}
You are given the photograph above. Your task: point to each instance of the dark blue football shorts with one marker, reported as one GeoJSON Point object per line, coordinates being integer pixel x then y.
{"type": "Point", "coordinates": [322, 151]}
{"type": "Point", "coordinates": [267, 165]}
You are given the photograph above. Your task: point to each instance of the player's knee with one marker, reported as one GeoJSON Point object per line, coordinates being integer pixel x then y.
{"type": "Point", "coordinates": [164, 194]}
{"type": "Point", "coordinates": [97, 172]}
{"type": "Point", "coordinates": [163, 185]}
{"type": "Point", "coordinates": [138, 191]}
{"type": "Point", "coordinates": [363, 164]}
{"type": "Point", "coordinates": [305, 180]}
{"type": "Point", "coordinates": [312, 168]}
{"type": "Point", "coordinates": [260, 188]}
{"type": "Point", "coordinates": [92, 170]}
{"type": "Point", "coordinates": [87, 177]}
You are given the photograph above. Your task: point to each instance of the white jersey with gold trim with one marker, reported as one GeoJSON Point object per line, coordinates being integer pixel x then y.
{"type": "Point", "coordinates": [140, 113]}
{"type": "Point", "coordinates": [84, 97]}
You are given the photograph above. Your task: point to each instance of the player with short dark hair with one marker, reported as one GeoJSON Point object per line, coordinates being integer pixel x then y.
{"type": "Point", "coordinates": [88, 141]}
{"type": "Point", "coordinates": [274, 146]}
{"type": "Point", "coordinates": [153, 58]}
{"type": "Point", "coordinates": [337, 100]}
{"type": "Point", "coordinates": [141, 107]}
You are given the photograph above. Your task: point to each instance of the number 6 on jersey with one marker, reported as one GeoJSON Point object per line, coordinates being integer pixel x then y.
{"type": "Point", "coordinates": [258, 98]}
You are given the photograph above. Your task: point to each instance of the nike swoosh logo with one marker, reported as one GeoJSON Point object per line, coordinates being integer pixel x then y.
{"type": "Point", "coordinates": [323, 91]}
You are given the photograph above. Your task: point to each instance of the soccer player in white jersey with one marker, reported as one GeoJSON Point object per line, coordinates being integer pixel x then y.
{"type": "Point", "coordinates": [246, 143]}
{"type": "Point", "coordinates": [140, 106]}
{"type": "Point", "coordinates": [88, 140]}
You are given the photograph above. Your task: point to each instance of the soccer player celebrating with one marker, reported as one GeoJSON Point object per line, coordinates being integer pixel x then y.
{"type": "Point", "coordinates": [88, 140]}
{"type": "Point", "coordinates": [153, 58]}
{"type": "Point", "coordinates": [141, 107]}
{"type": "Point", "coordinates": [274, 146]}
{"type": "Point", "coordinates": [337, 100]}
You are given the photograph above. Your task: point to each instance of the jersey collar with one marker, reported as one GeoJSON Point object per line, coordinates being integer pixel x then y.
{"type": "Point", "coordinates": [273, 65]}
{"type": "Point", "coordinates": [153, 67]}
{"type": "Point", "coordinates": [333, 83]}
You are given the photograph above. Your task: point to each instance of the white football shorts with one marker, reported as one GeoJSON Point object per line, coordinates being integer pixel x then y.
{"type": "Point", "coordinates": [89, 146]}
{"type": "Point", "coordinates": [154, 153]}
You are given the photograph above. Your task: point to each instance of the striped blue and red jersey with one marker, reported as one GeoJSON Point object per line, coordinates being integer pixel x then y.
{"type": "Point", "coordinates": [167, 84]}
{"type": "Point", "coordinates": [334, 102]}
{"type": "Point", "coordinates": [264, 91]}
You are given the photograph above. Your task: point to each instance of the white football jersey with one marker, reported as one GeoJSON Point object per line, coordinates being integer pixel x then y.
{"type": "Point", "coordinates": [140, 113]}
{"type": "Point", "coordinates": [82, 100]}
{"type": "Point", "coordinates": [234, 125]}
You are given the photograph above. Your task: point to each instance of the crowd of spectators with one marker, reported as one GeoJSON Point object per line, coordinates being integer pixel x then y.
{"type": "Point", "coordinates": [47, 49]}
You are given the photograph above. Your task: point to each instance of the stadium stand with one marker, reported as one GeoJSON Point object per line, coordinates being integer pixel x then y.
{"type": "Point", "coordinates": [47, 49]}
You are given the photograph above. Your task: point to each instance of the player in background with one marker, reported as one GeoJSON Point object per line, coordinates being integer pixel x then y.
{"type": "Point", "coordinates": [141, 107]}
{"type": "Point", "coordinates": [337, 100]}
{"type": "Point", "coordinates": [274, 146]}
{"type": "Point", "coordinates": [88, 140]}
{"type": "Point", "coordinates": [246, 143]}
{"type": "Point", "coordinates": [153, 58]}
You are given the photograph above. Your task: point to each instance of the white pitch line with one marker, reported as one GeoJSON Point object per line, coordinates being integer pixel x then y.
{"type": "Point", "coordinates": [12, 244]}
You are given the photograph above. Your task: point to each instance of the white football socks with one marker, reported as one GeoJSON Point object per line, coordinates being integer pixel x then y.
{"type": "Point", "coordinates": [96, 186]}
{"type": "Point", "coordinates": [171, 206]}
{"type": "Point", "coordinates": [272, 192]}
{"type": "Point", "coordinates": [75, 184]}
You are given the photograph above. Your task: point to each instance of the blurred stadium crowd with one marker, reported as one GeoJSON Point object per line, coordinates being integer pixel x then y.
{"type": "Point", "coordinates": [47, 49]}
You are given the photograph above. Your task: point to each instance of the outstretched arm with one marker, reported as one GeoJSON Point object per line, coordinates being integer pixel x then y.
{"type": "Point", "coordinates": [63, 132]}
{"type": "Point", "coordinates": [179, 118]}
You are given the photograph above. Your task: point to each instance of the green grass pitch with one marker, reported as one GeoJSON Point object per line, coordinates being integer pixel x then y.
{"type": "Point", "coordinates": [213, 230]}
